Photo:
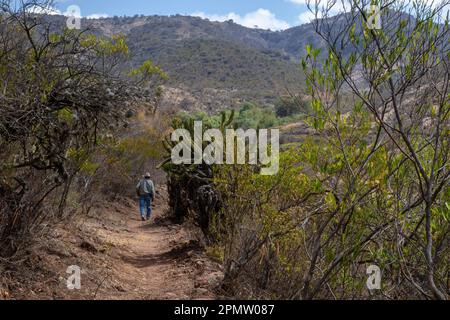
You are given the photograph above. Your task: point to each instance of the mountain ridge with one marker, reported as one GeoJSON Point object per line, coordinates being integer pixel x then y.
{"type": "Point", "coordinates": [215, 65]}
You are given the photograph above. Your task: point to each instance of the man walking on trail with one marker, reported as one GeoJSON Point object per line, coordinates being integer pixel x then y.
{"type": "Point", "coordinates": [146, 191]}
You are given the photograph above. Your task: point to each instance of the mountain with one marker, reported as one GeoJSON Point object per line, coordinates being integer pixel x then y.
{"type": "Point", "coordinates": [213, 65]}
{"type": "Point", "coordinates": [175, 28]}
{"type": "Point", "coordinates": [217, 65]}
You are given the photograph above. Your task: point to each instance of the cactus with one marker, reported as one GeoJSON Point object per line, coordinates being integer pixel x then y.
{"type": "Point", "coordinates": [190, 187]}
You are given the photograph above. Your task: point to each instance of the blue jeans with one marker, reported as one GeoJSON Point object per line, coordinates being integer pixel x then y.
{"type": "Point", "coordinates": [145, 204]}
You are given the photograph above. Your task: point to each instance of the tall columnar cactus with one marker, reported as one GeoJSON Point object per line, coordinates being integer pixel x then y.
{"type": "Point", "coordinates": [191, 189]}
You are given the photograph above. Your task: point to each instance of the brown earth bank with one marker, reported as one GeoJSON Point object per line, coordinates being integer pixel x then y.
{"type": "Point", "coordinates": [120, 257]}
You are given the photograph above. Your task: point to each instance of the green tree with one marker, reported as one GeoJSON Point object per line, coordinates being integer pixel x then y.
{"type": "Point", "coordinates": [400, 75]}
{"type": "Point", "coordinates": [289, 106]}
{"type": "Point", "coordinates": [62, 92]}
{"type": "Point", "coordinates": [371, 186]}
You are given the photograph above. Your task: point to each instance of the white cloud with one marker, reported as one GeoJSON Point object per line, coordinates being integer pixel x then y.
{"type": "Point", "coordinates": [261, 18]}
{"type": "Point", "coordinates": [340, 6]}
{"type": "Point", "coordinates": [97, 16]}
{"type": "Point", "coordinates": [71, 11]}
{"type": "Point", "coordinates": [43, 10]}
{"type": "Point", "coordinates": [307, 16]}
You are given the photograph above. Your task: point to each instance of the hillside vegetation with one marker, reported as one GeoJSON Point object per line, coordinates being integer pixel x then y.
{"type": "Point", "coordinates": [214, 65]}
{"type": "Point", "coordinates": [367, 185]}
{"type": "Point", "coordinates": [361, 181]}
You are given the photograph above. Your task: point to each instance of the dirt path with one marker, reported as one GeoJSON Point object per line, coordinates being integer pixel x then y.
{"type": "Point", "coordinates": [122, 258]}
{"type": "Point", "coordinates": [160, 260]}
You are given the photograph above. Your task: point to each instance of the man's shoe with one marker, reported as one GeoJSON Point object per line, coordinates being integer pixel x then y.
{"type": "Point", "coordinates": [143, 219]}
{"type": "Point", "coordinates": [149, 217]}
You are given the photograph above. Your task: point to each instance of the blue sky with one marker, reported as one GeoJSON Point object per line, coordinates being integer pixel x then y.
{"type": "Point", "coordinates": [266, 14]}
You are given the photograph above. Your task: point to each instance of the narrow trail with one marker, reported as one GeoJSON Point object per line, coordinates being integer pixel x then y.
{"type": "Point", "coordinates": [122, 257]}
{"type": "Point", "coordinates": [156, 259]}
